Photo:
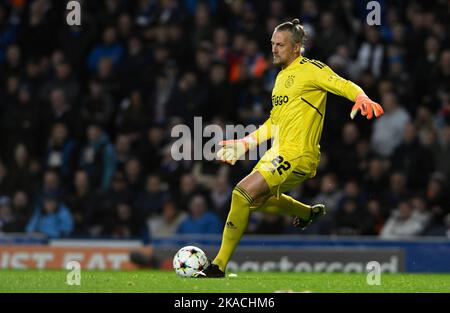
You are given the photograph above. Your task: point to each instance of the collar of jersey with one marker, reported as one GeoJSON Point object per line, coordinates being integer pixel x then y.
{"type": "Point", "coordinates": [298, 59]}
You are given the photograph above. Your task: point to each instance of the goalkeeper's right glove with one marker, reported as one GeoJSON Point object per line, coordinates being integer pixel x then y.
{"type": "Point", "coordinates": [233, 150]}
{"type": "Point", "coordinates": [367, 107]}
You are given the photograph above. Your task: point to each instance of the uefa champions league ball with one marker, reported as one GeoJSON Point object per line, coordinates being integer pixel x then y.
{"type": "Point", "coordinates": [189, 260]}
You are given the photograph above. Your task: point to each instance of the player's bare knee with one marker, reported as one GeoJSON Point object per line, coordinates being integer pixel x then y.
{"type": "Point", "coordinates": [255, 185]}
{"type": "Point", "coordinates": [258, 202]}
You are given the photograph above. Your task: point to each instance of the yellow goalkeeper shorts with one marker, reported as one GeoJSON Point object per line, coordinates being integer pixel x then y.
{"type": "Point", "coordinates": [283, 170]}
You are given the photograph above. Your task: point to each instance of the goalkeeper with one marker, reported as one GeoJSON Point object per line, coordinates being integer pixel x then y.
{"type": "Point", "coordinates": [295, 123]}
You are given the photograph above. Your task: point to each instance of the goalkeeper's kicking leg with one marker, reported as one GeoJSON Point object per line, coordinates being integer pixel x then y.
{"type": "Point", "coordinates": [303, 214]}
{"type": "Point", "coordinates": [254, 193]}
{"type": "Point", "coordinates": [250, 188]}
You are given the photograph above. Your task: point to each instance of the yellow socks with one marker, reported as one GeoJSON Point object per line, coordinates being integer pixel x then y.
{"type": "Point", "coordinates": [285, 205]}
{"type": "Point", "coordinates": [237, 220]}
{"type": "Point", "coordinates": [235, 226]}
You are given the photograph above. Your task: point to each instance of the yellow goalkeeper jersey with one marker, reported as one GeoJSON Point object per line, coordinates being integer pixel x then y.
{"type": "Point", "coordinates": [298, 98]}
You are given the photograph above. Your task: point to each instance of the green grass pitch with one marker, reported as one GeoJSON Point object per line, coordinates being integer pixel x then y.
{"type": "Point", "coordinates": [168, 282]}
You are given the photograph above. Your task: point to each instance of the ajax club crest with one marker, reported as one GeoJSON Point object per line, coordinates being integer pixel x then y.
{"type": "Point", "coordinates": [290, 81]}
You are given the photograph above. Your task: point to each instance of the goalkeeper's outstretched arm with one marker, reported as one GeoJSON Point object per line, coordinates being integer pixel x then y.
{"type": "Point", "coordinates": [328, 80]}
{"type": "Point", "coordinates": [233, 150]}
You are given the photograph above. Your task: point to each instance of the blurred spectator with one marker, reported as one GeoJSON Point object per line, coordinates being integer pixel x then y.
{"type": "Point", "coordinates": [345, 155]}
{"type": "Point", "coordinates": [51, 183]}
{"type": "Point", "coordinates": [98, 158]}
{"type": "Point", "coordinates": [63, 80]}
{"type": "Point", "coordinates": [329, 192]}
{"type": "Point", "coordinates": [60, 111]}
{"type": "Point", "coordinates": [187, 188]}
{"type": "Point", "coordinates": [442, 157]}
{"type": "Point", "coordinates": [150, 149]}
{"type": "Point", "coordinates": [132, 117]}
{"type": "Point", "coordinates": [443, 72]}
{"type": "Point", "coordinates": [438, 226]}
{"type": "Point", "coordinates": [402, 224]}
{"type": "Point", "coordinates": [13, 58]}
{"type": "Point", "coordinates": [39, 28]}
{"type": "Point", "coordinates": [420, 210]}
{"type": "Point", "coordinates": [134, 61]}
{"type": "Point", "coordinates": [20, 121]}
{"type": "Point", "coordinates": [123, 223]}
{"type": "Point", "coordinates": [200, 219]}
{"type": "Point", "coordinates": [413, 159]}
{"type": "Point", "coordinates": [221, 42]}
{"type": "Point", "coordinates": [202, 28]}
{"type": "Point", "coordinates": [4, 180]}
{"type": "Point", "coordinates": [424, 122]}
{"type": "Point", "coordinates": [254, 61]}
{"type": "Point", "coordinates": [7, 217]}
{"type": "Point", "coordinates": [397, 191]}
{"type": "Point", "coordinates": [124, 26]}
{"type": "Point", "coordinates": [150, 202]}
{"type": "Point", "coordinates": [221, 95]}
{"type": "Point", "coordinates": [75, 40]}
{"type": "Point", "coordinates": [376, 179]}
{"type": "Point", "coordinates": [110, 12]}
{"type": "Point", "coordinates": [342, 64]}
{"type": "Point", "coordinates": [189, 98]}
{"type": "Point", "coordinates": [436, 194]}
{"type": "Point", "coordinates": [21, 176]}
{"type": "Point", "coordinates": [173, 171]}
{"type": "Point", "coordinates": [110, 48]}
{"type": "Point", "coordinates": [22, 210]}
{"type": "Point", "coordinates": [372, 52]}
{"type": "Point", "coordinates": [348, 218]}
{"type": "Point", "coordinates": [107, 78]}
{"type": "Point", "coordinates": [82, 203]}
{"type": "Point", "coordinates": [203, 61]}
{"type": "Point", "coordinates": [60, 154]}
{"type": "Point", "coordinates": [123, 151]}
{"type": "Point", "coordinates": [105, 202]}
{"type": "Point", "coordinates": [388, 129]}
{"type": "Point", "coordinates": [134, 176]}
{"type": "Point", "coordinates": [205, 173]}
{"type": "Point", "coordinates": [329, 36]}
{"type": "Point", "coordinates": [351, 192]}
{"type": "Point", "coordinates": [97, 106]}
{"type": "Point", "coordinates": [365, 154]}
{"type": "Point", "coordinates": [51, 217]}
{"type": "Point", "coordinates": [8, 32]}
{"type": "Point", "coordinates": [252, 106]}
{"type": "Point", "coordinates": [447, 225]}
{"type": "Point", "coordinates": [221, 196]}
{"type": "Point", "coordinates": [166, 224]}
{"type": "Point", "coordinates": [270, 224]}
{"type": "Point", "coordinates": [373, 219]}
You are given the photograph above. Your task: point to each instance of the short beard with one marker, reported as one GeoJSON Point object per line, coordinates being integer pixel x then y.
{"type": "Point", "coordinates": [279, 64]}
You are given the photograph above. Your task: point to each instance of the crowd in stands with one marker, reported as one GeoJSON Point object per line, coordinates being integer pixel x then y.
{"type": "Point", "coordinates": [86, 113]}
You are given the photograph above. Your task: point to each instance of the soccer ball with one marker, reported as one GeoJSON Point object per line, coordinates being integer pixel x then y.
{"type": "Point", "coordinates": [189, 260]}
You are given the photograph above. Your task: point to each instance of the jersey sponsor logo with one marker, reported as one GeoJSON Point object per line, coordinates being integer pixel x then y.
{"type": "Point", "coordinates": [290, 81]}
{"type": "Point", "coordinates": [279, 100]}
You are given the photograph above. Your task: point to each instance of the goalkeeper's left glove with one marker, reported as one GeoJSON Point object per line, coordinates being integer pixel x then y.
{"type": "Point", "coordinates": [233, 150]}
{"type": "Point", "coordinates": [366, 106]}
